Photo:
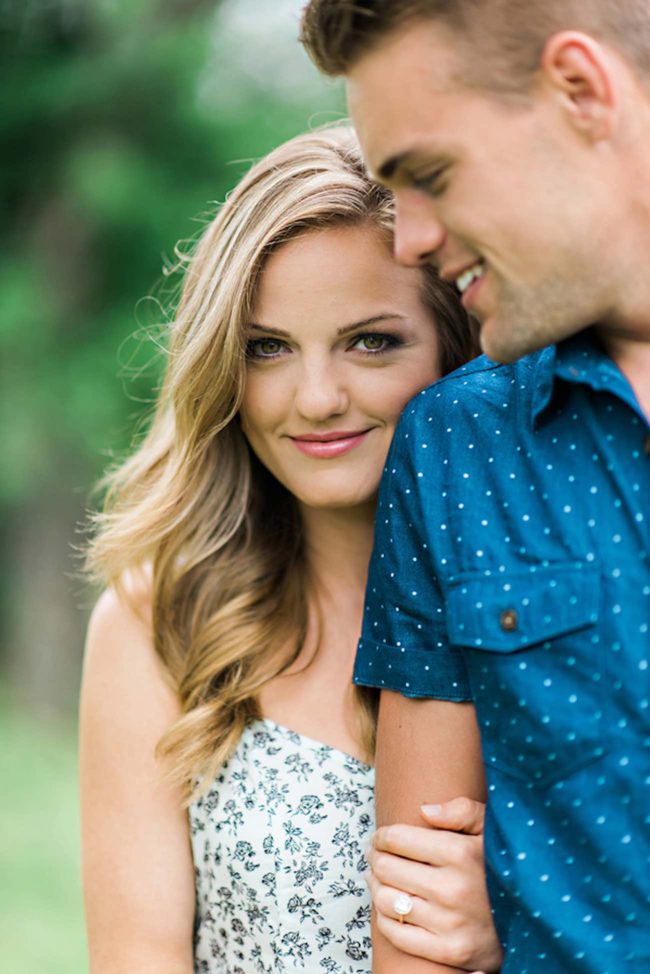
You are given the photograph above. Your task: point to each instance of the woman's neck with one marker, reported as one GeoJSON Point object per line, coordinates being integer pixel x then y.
{"type": "Point", "coordinates": [314, 695]}
{"type": "Point", "coordinates": [338, 544]}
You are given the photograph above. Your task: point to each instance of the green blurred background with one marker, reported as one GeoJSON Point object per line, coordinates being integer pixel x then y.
{"type": "Point", "coordinates": [123, 123]}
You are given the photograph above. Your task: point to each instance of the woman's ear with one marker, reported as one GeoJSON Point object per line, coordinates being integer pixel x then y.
{"type": "Point", "coordinates": [582, 74]}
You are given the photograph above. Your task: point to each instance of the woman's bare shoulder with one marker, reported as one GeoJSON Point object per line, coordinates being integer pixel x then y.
{"type": "Point", "coordinates": [127, 605]}
{"type": "Point", "coordinates": [120, 656]}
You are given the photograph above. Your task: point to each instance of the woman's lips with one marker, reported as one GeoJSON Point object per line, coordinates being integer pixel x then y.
{"type": "Point", "coordinates": [327, 445]}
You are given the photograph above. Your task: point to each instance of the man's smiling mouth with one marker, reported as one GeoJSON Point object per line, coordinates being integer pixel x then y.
{"type": "Point", "coordinates": [473, 273]}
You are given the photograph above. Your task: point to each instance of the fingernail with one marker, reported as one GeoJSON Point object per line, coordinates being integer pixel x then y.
{"type": "Point", "coordinates": [432, 810]}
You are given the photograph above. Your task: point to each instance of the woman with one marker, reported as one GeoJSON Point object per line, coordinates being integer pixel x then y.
{"type": "Point", "coordinates": [234, 547]}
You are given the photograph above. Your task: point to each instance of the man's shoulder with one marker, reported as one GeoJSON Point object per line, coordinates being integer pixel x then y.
{"type": "Point", "coordinates": [483, 373]}
{"type": "Point", "coordinates": [482, 385]}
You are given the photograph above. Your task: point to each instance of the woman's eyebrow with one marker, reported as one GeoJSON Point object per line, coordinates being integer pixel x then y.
{"type": "Point", "coordinates": [369, 321]}
{"type": "Point", "coordinates": [268, 331]}
{"type": "Point", "coordinates": [343, 330]}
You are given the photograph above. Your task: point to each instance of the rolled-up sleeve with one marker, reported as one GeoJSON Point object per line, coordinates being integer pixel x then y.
{"type": "Point", "coordinates": [404, 644]}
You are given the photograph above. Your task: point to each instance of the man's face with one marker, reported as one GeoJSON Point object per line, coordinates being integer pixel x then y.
{"type": "Point", "coordinates": [499, 196]}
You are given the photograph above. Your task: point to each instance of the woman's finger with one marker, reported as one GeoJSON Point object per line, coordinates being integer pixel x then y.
{"type": "Point", "coordinates": [422, 914]}
{"type": "Point", "coordinates": [458, 815]}
{"type": "Point", "coordinates": [419, 942]}
{"type": "Point", "coordinates": [415, 877]}
{"type": "Point", "coordinates": [438, 847]}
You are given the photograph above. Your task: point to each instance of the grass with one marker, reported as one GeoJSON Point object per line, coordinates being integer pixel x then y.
{"type": "Point", "coordinates": [41, 918]}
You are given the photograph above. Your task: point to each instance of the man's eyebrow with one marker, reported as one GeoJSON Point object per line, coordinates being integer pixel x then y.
{"type": "Point", "coordinates": [388, 169]}
{"type": "Point", "coordinates": [343, 330]}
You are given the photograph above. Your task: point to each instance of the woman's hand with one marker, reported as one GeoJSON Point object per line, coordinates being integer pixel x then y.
{"type": "Point", "coordinates": [441, 869]}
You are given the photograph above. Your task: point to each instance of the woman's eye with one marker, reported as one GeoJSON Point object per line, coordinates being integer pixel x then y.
{"type": "Point", "coordinates": [374, 343]}
{"type": "Point", "coordinates": [264, 348]}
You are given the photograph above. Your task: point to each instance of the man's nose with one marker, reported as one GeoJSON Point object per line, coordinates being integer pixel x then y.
{"type": "Point", "coordinates": [321, 392]}
{"type": "Point", "coordinates": [418, 231]}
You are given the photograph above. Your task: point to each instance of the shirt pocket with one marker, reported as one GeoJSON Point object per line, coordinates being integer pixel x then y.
{"type": "Point", "coordinates": [535, 664]}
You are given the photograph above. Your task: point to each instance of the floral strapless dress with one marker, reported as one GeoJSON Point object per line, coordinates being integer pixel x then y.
{"type": "Point", "coordinates": [278, 845]}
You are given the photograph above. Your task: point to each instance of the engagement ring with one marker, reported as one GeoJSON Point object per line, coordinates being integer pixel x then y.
{"type": "Point", "coordinates": [402, 905]}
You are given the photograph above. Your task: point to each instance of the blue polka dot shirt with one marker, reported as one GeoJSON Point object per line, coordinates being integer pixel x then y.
{"type": "Point", "coordinates": [511, 568]}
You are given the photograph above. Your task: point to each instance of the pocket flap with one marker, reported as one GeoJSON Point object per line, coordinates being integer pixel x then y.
{"type": "Point", "coordinates": [508, 611]}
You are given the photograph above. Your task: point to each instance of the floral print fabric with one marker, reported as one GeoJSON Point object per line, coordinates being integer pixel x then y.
{"type": "Point", "coordinates": [278, 845]}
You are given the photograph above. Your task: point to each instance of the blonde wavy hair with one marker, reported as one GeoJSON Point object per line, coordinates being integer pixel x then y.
{"type": "Point", "coordinates": [219, 538]}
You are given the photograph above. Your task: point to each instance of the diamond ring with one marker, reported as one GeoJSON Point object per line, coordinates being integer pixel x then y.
{"type": "Point", "coordinates": [402, 905]}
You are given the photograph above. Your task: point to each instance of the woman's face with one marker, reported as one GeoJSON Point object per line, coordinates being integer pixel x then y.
{"type": "Point", "coordinates": [340, 341]}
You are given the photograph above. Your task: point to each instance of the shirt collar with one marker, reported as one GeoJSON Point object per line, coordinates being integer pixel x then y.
{"type": "Point", "coordinates": [578, 360]}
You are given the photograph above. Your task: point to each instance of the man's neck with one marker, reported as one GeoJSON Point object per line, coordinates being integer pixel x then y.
{"type": "Point", "coordinates": [631, 353]}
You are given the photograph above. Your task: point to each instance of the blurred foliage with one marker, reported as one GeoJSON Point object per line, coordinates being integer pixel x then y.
{"type": "Point", "coordinates": [109, 150]}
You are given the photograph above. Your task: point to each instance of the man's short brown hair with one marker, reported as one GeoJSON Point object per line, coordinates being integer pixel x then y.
{"type": "Point", "coordinates": [505, 38]}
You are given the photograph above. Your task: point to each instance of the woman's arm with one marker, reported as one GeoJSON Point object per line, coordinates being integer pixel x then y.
{"type": "Point", "coordinates": [428, 751]}
{"type": "Point", "coordinates": [137, 865]}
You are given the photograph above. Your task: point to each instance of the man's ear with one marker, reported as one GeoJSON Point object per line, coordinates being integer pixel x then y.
{"type": "Point", "coordinates": [582, 74]}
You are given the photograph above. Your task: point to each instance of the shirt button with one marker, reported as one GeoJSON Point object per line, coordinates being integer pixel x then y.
{"type": "Point", "coordinates": [509, 620]}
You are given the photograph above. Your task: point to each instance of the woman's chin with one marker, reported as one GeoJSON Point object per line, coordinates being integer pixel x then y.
{"type": "Point", "coordinates": [337, 500]}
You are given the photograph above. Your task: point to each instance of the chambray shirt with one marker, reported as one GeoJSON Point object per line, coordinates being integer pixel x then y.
{"type": "Point", "coordinates": [511, 568]}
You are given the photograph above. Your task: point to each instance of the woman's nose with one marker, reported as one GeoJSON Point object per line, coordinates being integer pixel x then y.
{"type": "Point", "coordinates": [321, 392]}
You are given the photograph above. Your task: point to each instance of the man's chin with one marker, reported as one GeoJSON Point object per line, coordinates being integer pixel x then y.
{"type": "Point", "coordinates": [503, 344]}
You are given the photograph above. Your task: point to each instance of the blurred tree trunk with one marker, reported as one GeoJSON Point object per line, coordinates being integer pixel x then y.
{"type": "Point", "coordinates": [44, 624]}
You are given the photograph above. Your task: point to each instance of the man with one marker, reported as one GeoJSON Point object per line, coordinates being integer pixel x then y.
{"type": "Point", "coordinates": [511, 560]}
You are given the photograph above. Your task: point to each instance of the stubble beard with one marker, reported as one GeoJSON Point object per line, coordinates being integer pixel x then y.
{"type": "Point", "coordinates": [527, 320]}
